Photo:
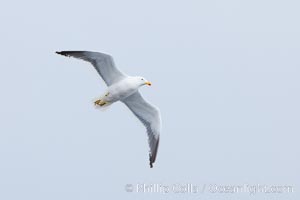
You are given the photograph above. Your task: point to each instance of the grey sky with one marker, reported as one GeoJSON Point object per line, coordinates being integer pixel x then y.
{"type": "Point", "coordinates": [225, 75]}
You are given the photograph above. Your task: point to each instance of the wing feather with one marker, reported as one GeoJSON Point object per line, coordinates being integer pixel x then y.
{"type": "Point", "coordinates": [103, 63]}
{"type": "Point", "coordinates": [149, 115]}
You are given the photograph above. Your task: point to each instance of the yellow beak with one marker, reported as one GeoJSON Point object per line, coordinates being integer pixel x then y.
{"type": "Point", "coordinates": [148, 83]}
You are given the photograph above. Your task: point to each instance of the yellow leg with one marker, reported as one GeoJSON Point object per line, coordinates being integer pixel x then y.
{"type": "Point", "coordinates": [102, 103]}
{"type": "Point", "coordinates": [99, 102]}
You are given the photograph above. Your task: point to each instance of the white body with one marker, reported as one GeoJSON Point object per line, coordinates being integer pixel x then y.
{"type": "Point", "coordinates": [121, 90]}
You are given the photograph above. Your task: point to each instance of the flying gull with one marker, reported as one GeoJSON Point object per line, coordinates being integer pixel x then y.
{"type": "Point", "coordinates": [124, 88]}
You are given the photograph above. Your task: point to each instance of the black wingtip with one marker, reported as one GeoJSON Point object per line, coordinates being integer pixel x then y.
{"type": "Point", "coordinates": [151, 161]}
{"type": "Point", "coordinates": [152, 157]}
{"type": "Point", "coordinates": [69, 53]}
{"type": "Point", "coordinates": [61, 53]}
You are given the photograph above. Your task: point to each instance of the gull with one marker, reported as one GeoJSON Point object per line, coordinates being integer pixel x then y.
{"type": "Point", "coordinates": [124, 88]}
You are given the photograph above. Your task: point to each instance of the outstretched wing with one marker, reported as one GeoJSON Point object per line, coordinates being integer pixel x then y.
{"type": "Point", "coordinates": [149, 115]}
{"type": "Point", "coordinates": [103, 63]}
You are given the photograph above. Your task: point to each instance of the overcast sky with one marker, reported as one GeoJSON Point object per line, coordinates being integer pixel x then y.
{"type": "Point", "coordinates": [225, 75]}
